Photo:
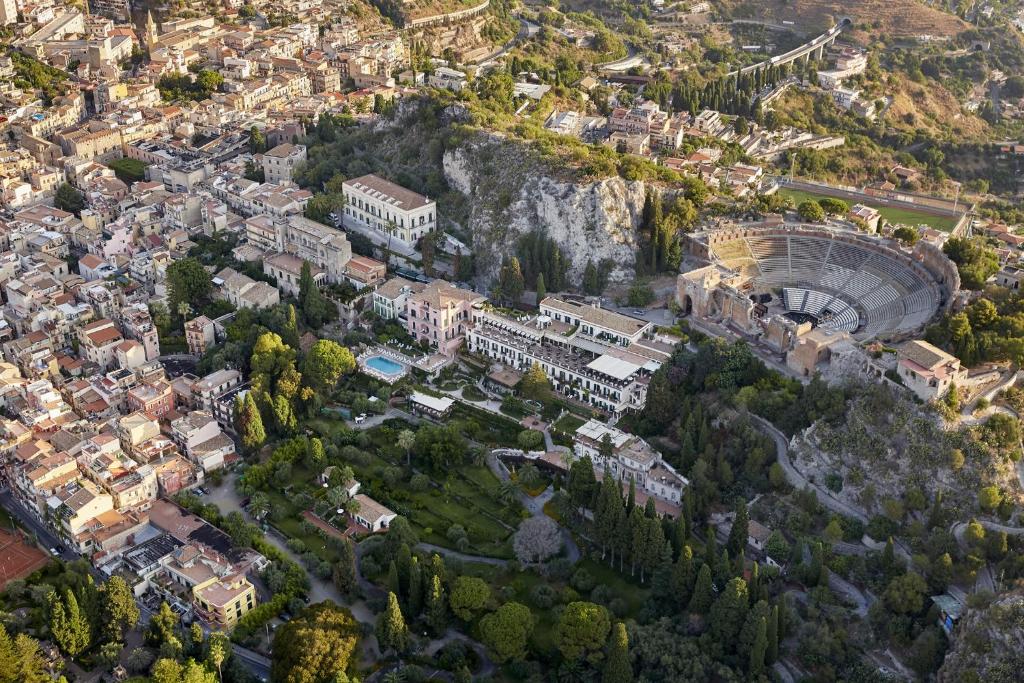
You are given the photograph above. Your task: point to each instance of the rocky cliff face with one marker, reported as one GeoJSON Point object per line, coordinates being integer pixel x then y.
{"type": "Point", "coordinates": [989, 643]}
{"type": "Point", "coordinates": [510, 195]}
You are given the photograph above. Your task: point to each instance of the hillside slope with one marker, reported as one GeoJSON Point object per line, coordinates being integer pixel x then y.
{"type": "Point", "coordinates": [894, 18]}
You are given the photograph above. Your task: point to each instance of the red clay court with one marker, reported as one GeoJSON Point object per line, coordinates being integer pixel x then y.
{"type": "Point", "coordinates": [18, 559]}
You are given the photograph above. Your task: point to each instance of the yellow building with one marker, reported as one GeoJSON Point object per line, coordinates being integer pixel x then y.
{"type": "Point", "coordinates": [224, 600]}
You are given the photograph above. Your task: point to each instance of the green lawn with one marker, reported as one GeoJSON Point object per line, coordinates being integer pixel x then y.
{"type": "Point", "coordinates": [891, 214]}
{"type": "Point", "coordinates": [568, 424]}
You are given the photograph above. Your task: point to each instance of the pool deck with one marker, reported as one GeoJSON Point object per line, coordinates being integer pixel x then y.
{"type": "Point", "coordinates": [429, 363]}
{"type": "Point", "coordinates": [381, 352]}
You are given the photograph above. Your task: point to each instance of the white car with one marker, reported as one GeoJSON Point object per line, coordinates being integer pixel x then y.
{"type": "Point", "coordinates": [360, 418]}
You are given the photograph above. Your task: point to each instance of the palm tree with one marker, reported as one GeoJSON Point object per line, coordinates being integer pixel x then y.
{"type": "Point", "coordinates": [352, 506]}
{"type": "Point", "coordinates": [259, 504]}
{"type": "Point", "coordinates": [394, 676]}
{"type": "Point", "coordinates": [478, 456]}
{"type": "Point", "coordinates": [406, 440]}
{"type": "Point", "coordinates": [337, 496]}
{"type": "Point", "coordinates": [507, 492]}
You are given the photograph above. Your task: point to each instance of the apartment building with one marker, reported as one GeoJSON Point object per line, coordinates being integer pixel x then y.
{"type": "Point", "coordinates": [363, 271]}
{"type": "Point", "coordinates": [317, 243]}
{"type": "Point", "coordinates": [378, 204]}
{"type": "Point", "coordinates": [647, 119]}
{"type": "Point", "coordinates": [448, 79]}
{"type": "Point", "coordinates": [138, 325]}
{"type": "Point", "coordinates": [154, 397]}
{"type": "Point", "coordinates": [76, 505]}
{"type": "Point", "coordinates": [594, 321]}
{"type": "Point", "coordinates": [200, 437]}
{"type": "Point", "coordinates": [199, 335]}
{"type": "Point", "coordinates": [223, 601]}
{"type": "Point", "coordinates": [98, 341]}
{"type": "Point", "coordinates": [243, 292]}
{"type": "Point", "coordinates": [279, 163]}
{"type": "Point", "coordinates": [440, 315]}
{"type": "Point", "coordinates": [287, 270]}
{"type": "Point", "coordinates": [207, 389]}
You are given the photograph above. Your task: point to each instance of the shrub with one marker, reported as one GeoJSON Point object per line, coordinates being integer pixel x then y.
{"type": "Point", "coordinates": [543, 596]}
{"type": "Point", "coordinates": [583, 581]}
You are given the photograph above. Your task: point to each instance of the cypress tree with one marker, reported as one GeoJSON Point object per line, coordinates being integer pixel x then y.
{"type": "Point", "coordinates": [344, 571]}
{"type": "Point", "coordinates": [392, 632]}
{"type": "Point", "coordinates": [541, 289]}
{"type": "Point", "coordinates": [738, 533]}
{"type": "Point", "coordinates": [654, 545]}
{"type": "Point", "coordinates": [606, 513]}
{"type": "Point", "coordinates": [703, 594]}
{"type": "Point", "coordinates": [415, 597]}
{"type": "Point", "coordinates": [392, 581]}
{"type": "Point", "coordinates": [404, 567]}
{"type": "Point", "coordinates": [723, 572]}
{"type": "Point", "coordinates": [680, 534]}
{"type": "Point", "coordinates": [661, 583]}
{"type": "Point", "coordinates": [617, 668]}
{"type": "Point", "coordinates": [757, 653]}
{"type": "Point", "coordinates": [631, 499]}
{"type": "Point", "coordinates": [729, 612]}
{"type": "Point", "coordinates": [623, 536]}
{"type": "Point", "coordinates": [772, 651]}
{"type": "Point", "coordinates": [711, 548]}
{"type": "Point", "coordinates": [637, 540]}
{"type": "Point", "coordinates": [436, 608]}
{"type": "Point", "coordinates": [683, 576]}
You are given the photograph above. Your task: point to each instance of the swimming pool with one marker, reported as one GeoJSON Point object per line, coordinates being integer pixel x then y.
{"type": "Point", "coordinates": [384, 366]}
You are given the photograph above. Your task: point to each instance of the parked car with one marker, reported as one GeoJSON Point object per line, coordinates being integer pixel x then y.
{"type": "Point", "coordinates": [360, 418]}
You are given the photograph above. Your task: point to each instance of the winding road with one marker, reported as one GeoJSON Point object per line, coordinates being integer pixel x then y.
{"type": "Point", "coordinates": [795, 478]}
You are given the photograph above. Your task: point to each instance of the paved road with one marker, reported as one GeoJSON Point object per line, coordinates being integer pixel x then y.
{"type": "Point", "coordinates": [850, 592]}
{"type": "Point", "coordinates": [47, 538]}
{"type": "Point", "coordinates": [465, 557]}
{"type": "Point", "coordinates": [795, 478]}
{"type": "Point", "coordinates": [526, 29]}
{"type": "Point", "coordinates": [255, 663]}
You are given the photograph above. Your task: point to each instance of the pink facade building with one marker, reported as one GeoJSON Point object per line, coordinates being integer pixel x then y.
{"type": "Point", "coordinates": [440, 315]}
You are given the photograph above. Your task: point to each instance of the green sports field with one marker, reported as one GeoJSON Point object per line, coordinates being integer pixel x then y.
{"type": "Point", "coordinates": [893, 215]}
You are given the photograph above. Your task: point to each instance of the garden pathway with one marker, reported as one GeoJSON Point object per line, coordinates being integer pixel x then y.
{"type": "Point", "coordinates": [535, 504]}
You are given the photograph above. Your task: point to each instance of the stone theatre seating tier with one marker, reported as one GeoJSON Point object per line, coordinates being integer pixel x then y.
{"type": "Point", "coordinates": [855, 285]}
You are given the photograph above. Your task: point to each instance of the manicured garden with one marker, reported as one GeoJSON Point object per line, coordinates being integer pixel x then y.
{"type": "Point", "coordinates": [467, 496]}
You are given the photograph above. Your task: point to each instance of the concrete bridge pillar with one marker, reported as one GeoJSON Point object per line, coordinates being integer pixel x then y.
{"type": "Point", "coordinates": [819, 52]}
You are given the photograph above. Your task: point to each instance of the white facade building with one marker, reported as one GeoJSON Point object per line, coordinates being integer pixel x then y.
{"type": "Point", "coordinates": [390, 209]}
